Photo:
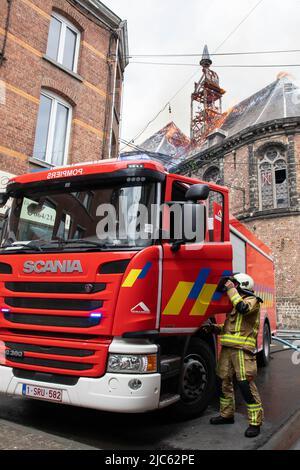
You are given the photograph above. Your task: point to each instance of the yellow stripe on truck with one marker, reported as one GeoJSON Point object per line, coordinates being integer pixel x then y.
{"type": "Point", "coordinates": [178, 298]}
{"type": "Point", "coordinates": [203, 300]}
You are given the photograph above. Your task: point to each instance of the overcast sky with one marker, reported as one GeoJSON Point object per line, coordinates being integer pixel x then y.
{"type": "Point", "coordinates": [183, 27]}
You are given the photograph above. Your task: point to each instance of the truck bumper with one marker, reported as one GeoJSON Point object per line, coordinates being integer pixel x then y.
{"type": "Point", "coordinates": [108, 393]}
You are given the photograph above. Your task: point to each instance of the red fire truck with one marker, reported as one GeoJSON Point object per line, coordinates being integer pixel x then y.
{"type": "Point", "coordinates": [95, 316]}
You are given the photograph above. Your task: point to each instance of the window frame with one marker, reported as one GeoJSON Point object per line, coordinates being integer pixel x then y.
{"type": "Point", "coordinates": [265, 159]}
{"type": "Point", "coordinates": [65, 23]}
{"type": "Point", "coordinates": [55, 100]}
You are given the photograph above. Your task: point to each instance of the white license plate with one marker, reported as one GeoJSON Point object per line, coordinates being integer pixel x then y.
{"type": "Point", "coordinates": [42, 393]}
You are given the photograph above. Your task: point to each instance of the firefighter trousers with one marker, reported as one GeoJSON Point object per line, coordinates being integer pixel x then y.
{"type": "Point", "coordinates": [243, 365]}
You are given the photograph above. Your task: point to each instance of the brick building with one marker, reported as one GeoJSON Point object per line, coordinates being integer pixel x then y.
{"type": "Point", "coordinates": [61, 75]}
{"type": "Point", "coordinates": [255, 151]}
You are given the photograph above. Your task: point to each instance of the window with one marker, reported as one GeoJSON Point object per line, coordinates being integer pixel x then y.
{"type": "Point", "coordinates": [53, 130]}
{"type": "Point", "coordinates": [63, 42]}
{"type": "Point", "coordinates": [273, 180]}
{"type": "Point", "coordinates": [212, 175]}
{"type": "Point", "coordinates": [64, 226]}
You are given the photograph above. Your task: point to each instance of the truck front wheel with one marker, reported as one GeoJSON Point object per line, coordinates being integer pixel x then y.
{"type": "Point", "coordinates": [197, 380]}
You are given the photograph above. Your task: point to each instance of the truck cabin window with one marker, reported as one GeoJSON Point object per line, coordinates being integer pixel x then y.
{"type": "Point", "coordinates": [113, 216]}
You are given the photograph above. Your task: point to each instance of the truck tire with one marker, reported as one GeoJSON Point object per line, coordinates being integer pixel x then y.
{"type": "Point", "coordinates": [263, 357]}
{"type": "Point", "coordinates": [197, 383]}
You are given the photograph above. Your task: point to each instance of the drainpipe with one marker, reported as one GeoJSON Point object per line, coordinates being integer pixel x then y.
{"type": "Point", "coordinates": [107, 101]}
{"type": "Point", "coordinates": [2, 52]}
{"type": "Point", "coordinates": [114, 90]}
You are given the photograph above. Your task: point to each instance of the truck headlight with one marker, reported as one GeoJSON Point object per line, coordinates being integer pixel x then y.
{"type": "Point", "coordinates": [132, 363]}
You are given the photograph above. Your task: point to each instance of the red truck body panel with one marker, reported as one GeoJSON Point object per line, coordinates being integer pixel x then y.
{"type": "Point", "coordinates": [173, 293]}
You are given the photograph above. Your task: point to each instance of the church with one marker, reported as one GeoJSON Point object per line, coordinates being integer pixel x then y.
{"type": "Point", "coordinates": [254, 149]}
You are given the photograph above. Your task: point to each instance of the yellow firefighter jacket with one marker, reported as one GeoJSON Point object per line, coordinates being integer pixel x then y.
{"type": "Point", "coordinates": [240, 330]}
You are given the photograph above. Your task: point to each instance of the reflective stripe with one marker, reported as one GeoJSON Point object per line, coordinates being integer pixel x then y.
{"type": "Point", "coordinates": [225, 401]}
{"type": "Point", "coordinates": [226, 342]}
{"type": "Point", "coordinates": [254, 410]}
{"type": "Point", "coordinates": [238, 337]}
{"type": "Point", "coordinates": [242, 365]}
{"type": "Point", "coordinates": [227, 338]}
{"type": "Point", "coordinates": [254, 406]}
{"type": "Point", "coordinates": [238, 323]}
{"type": "Point", "coordinates": [236, 299]}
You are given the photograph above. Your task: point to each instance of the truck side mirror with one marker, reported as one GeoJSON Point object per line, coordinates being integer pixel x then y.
{"type": "Point", "coordinates": [197, 192]}
{"type": "Point", "coordinates": [3, 199]}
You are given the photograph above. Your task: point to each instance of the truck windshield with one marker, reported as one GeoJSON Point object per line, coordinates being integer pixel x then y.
{"type": "Point", "coordinates": [110, 217]}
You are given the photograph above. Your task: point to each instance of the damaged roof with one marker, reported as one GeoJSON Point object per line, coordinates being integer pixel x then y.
{"type": "Point", "coordinates": [169, 140]}
{"type": "Point", "coordinates": [280, 99]}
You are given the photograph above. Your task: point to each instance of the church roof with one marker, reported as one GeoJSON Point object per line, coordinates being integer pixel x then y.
{"type": "Point", "coordinates": [169, 140]}
{"type": "Point", "coordinates": [280, 99]}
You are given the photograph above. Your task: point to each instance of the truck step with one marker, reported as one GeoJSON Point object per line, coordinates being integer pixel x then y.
{"type": "Point", "coordinates": [168, 399]}
{"type": "Point", "coordinates": [170, 365]}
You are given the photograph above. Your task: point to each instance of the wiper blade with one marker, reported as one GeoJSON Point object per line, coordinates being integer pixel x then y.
{"type": "Point", "coordinates": [61, 243]}
{"type": "Point", "coordinates": [29, 246]}
{"type": "Point", "coordinates": [82, 241]}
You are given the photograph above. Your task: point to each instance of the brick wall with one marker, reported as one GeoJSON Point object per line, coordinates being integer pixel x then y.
{"type": "Point", "coordinates": [288, 313]}
{"type": "Point", "coordinates": [25, 72]}
{"type": "Point", "coordinates": [282, 235]}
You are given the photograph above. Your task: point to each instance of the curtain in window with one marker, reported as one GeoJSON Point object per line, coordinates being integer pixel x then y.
{"type": "Point", "coordinates": [42, 129]}
{"type": "Point", "coordinates": [59, 141]}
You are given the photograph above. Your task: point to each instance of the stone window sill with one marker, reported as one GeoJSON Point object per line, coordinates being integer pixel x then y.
{"type": "Point", "coordinates": [40, 163]}
{"type": "Point", "coordinates": [64, 69]}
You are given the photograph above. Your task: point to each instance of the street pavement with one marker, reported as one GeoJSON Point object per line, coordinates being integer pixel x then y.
{"type": "Point", "coordinates": [33, 424]}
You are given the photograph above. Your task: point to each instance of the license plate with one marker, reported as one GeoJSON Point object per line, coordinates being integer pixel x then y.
{"type": "Point", "coordinates": [42, 393]}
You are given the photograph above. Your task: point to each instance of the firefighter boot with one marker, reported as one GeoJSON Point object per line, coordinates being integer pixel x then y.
{"type": "Point", "coordinates": [221, 420]}
{"type": "Point", "coordinates": [252, 431]}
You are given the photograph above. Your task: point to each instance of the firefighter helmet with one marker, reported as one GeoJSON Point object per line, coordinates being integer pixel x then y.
{"type": "Point", "coordinates": [245, 281]}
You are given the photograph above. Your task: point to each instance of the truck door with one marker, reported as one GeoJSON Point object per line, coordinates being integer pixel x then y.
{"type": "Point", "coordinates": [191, 275]}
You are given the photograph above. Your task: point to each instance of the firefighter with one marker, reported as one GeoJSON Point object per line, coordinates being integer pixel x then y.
{"type": "Point", "coordinates": [238, 338]}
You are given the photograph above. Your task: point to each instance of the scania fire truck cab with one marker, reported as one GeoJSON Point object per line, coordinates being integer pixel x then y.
{"type": "Point", "coordinates": [108, 271]}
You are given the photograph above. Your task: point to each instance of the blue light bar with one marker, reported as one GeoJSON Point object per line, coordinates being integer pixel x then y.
{"type": "Point", "coordinates": [96, 315]}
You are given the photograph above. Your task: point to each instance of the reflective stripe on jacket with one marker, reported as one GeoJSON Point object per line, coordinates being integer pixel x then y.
{"type": "Point", "coordinates": [240, 330]}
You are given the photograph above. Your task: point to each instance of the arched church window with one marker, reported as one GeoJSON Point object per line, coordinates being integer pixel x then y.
{"type": "Point", "coordinates": [273, 179]}
{"type": "Point", "coordinates": [212, 175]}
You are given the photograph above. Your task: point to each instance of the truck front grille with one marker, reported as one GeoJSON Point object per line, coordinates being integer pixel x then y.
{"type": "Point", "coordinates": [36, 361]}
{"type": "Point", "coordinates": [52, 320]}
{"type": "Point", "coordinates": [36, 348]}
{"type": "Point", "coordinates": [51, 334]}
{"type": "Point", "coordinates": [51, 356]}
{"type": "Point", "coordinates": [55, 304]}
{"type": "Point", "coordinates": [55, 328]}
{"type": "Point", "coordinates": [55, 287]}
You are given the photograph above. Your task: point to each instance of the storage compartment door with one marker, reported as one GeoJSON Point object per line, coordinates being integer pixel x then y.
{"type": "Point", "coordinates": [239, 254]}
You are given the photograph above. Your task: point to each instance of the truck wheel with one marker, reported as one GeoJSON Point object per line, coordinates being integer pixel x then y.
{"type": "Point", "coordinates": [197, 380]}
{"type": "Point", "coordinates": [263, 357]}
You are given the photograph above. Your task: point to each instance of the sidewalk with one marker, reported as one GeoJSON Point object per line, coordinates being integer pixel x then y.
{"type": "Point", "coordinates": [17, 437]}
